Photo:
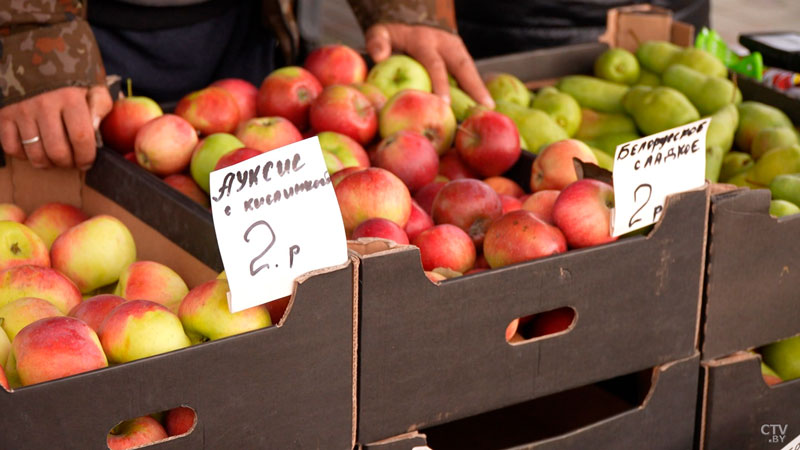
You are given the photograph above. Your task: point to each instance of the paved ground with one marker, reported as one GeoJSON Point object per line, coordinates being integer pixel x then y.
{"type": "Point", "coordinates": [728, 17]}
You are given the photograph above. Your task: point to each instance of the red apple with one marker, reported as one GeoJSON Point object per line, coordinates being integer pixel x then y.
{"type": "Point", "coordinates": [435, 276]}
{"type": "Point", "coordinates": [267, 133]}
{"type": "Point", "coordinates": [288, 92]}
{"type": "Point", "coordinates": [343, 173]}
{"type": "Point", "coordinates": [510, 203]}
{"type": "Point", "coordinates": [373, 94]}
{"type": "Point", "coordinates": [381, 228]}
{"type": "Point", "coordinates": [468, 204]}
{"type": "Point", "coordinates": [551, 322]}
{"type": "Point", "coordinates": [52, 219]}
{"type": "Point", "coordinates": [446, 246]}
{"type": "Point", "coordinates": [488, 142]}
{"type": "Point", "coordinates": [236, 156]}
{"type": "Point", "coordinates": [521, 236]}
{"type": "Point", "coordinates": [583, 212]}
{"type": "Point", "coordinates": [188, 187]}
{"type": "Point", "coordinates": [40, 282]}
{"type": "Point", "coordinates": [372, 192]}
{"type": "Point", "coordinates": [4, 380]}
{"type": "Point", "coordinates": [210, 110]}
{"type": "Point", "coordinates": [205, 315]}
{"type": "Point", "coordinates": [345, 110]}
{"type": "Point", "coordinates": [553, 167]}
{"type": "Point", "coordinates": [149, 280]}
{"type": "Point", "coordinates": [336, 64]}
{"type": "Point", "coordinates": [422, 112]}
{"type": "Point", "coordinates": [425, 196]}
{"type": "Point", "coordinates": [277, 308]}
{"type": "Point", "coordinates": [19, 246]}
{"type": "Point", "coordinates": [504, 186]}
{"type": "Point", "coordinates": [179, 421]}
{"type": "Point", "coordinates": [56, 347]}
{"type": "Point", "coordinates": [410, 156]}
{"type": "Point", "coordinates": [418, 221]}
{"type": "Point", "coordinates": [94, 310]}
{"type": "Point", "coordinates": [12, 212]}
{"type": "Point", "coordinates": [453, 167]}
{"type": "Point", "coordinates": [164, 145]}
{"type": "Point", "coordinates": [135, 433]}
{"type": "Point", "coordinates": [541, 203]}
{"type": "Point", "coordinates": [131, 156]}
{"type": "Point", "coordinates": [243, 92]}
{"type": "Point", "coordinates": [140, 328]}
{"type": "Point", "coordinates": [128, 115]}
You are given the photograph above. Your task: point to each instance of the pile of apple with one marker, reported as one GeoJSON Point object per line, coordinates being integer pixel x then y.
{"type": "Point", "coordinates": [74, 298]}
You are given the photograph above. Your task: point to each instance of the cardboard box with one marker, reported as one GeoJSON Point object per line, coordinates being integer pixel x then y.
{"type": "Point", "coordinates": [752, 274]}
{"type": "Point", "coordinates": [430, 354]}
{"type": "Point", "coordinates": [652, 409]}
{"type": "Point", "coordinates": [286, 386]}
{"type": "Point", "coordinates": [628, 26]}
{"type": "Point", "coordinates": [740, 411]}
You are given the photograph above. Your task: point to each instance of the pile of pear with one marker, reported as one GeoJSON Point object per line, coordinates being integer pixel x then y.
{"type": "Point", "coordinates": [657, 87]}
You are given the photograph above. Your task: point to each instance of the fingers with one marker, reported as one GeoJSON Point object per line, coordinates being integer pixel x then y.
{"type": "Point", "coordinates": [462, 67]}
{"type": "Point", "coordinates": [100, 103]}
{"type": "Point", "coordinates": [78, 121]}
{"type": "Point", "coordinates": [34, 151]}
{"type": "Point", "coordinates": [433, 62]}
{"type": "Point", "coordinates": [53, 138]}
{"type": "Point", "coordinates": [9, 139]}
{"type": "Point", "coordinates": [378, 42]}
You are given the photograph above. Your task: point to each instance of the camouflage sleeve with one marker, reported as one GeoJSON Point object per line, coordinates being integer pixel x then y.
{"type": "Point", "coordinates": [45, 45]}
{"type": "Point", "coordinates": [435, 13]}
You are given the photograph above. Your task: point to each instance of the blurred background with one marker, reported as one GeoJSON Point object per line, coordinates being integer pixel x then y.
{"type": "Point", "coordinates": [729, 17]}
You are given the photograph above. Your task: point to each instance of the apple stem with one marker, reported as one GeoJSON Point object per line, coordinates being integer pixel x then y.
{"type": "Point", "coordinates": [466, 131]}
{"type": "Point", "coordinates": [130, 87]}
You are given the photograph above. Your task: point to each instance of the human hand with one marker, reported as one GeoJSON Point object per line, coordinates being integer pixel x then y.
{"type": "Point", "coordinates": [439, 51]}
{"type": "Point", "coordinates": [55, 128]}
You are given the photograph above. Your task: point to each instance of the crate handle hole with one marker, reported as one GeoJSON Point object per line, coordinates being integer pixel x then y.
{"type": "Point", "coordinates": [543, 325]}
{"type": "Point", "coordinates": [153, 428]}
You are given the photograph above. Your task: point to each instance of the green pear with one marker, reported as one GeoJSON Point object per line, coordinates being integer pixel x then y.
{"type": "Point", "coordinates": [701, 61]}
{"type": "Point", "coordinates": [714, 156]}
{"type": "Point", "coordinates": [754, 117]}
{"type": "Point", "coordinates": [648, 78]}
{"type": "Point", "coordinates": [594, 93]}
{"type": "Point", "coordinates": [5, 344]}
{"type": "Point", "coordinates": [536, 127]}
{"type": "Point", "coordinates": [561, 107]}
{"type": "Point", "coordinates": [604, 160]}
{"type": "Point", "coordinates": [734, 163]}
{"type": "Point", "coordinates": [780, 208]}
{"type": "Point", "coordinates": [742, 179]}
{"type": "Point", "coordinates": [707, 93]}
{"type": "Point", "coordinates": [617, 65]}
{"type": "Point", "coordinates": [655, 56]}
{"type": "Point", "coordinates": [769, 138]}
{"type": "Point", "coordinates": [722, 128]}
{"type": "Point", "coordinates": [784, 357]}
{"type": "Point", "coordinates": [461, 103]}
{"type": "Point", "coordinates": [595, 124]}
{"type": "Point", "coordinates": [769, 375]}
{"type": "Point", "coordinates": [786, 187]}
{"type": "Point", "coordinates": [658, 109]}
{"type": "Point", "coordinates": [508, 88]}
{"type": "Point", "coordinates": [775, 162]}
{"type": "Point", "coordinates": [608, 143]}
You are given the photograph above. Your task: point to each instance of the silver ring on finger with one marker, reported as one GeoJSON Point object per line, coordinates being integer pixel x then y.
{"type": "Point", "coordinates": [32, 140]}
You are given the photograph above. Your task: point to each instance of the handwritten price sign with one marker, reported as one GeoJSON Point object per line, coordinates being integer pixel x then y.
{"type": "Point", "coordinates": [649, 169]}
{"type": "Point", "coordinates": [276, 217]}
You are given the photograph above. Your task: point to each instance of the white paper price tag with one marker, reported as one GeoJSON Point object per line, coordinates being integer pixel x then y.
{"type": "Point", "coordinates": [276, 217]}
{"type": "Point", "coordinates": [649, 169]}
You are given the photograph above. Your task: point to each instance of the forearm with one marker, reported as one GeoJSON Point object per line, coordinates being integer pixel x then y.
{"type": "Point", "coordinates": [46, 46]}
{"type": "Point", "coordinates": [435, 13]}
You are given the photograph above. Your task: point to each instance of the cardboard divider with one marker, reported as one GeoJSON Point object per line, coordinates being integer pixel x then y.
{"type": "Point", "coordinates": [431, 354]}
{"type": "Point", "coordinates": [286, 386]}
{"type": "Point", "coordinates": [752, 274]}
{"type": "Point", "coordinates": [653, 409]}
{"type": "Point", "coordinates": [741, 411]}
